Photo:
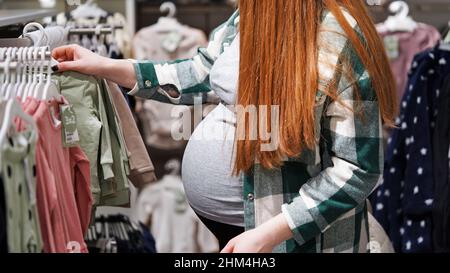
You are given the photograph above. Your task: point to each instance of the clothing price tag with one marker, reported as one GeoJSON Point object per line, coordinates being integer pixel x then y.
{"type": "Point", "coordinates": [392, 46]}
{"type": "Point", "coordinates": [172, 41]}
{"type": "Point", "coordinates": [71, 137]}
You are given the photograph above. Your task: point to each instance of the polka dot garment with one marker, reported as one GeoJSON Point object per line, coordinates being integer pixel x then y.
{"type": "Point", "coordinates": [21, 220]}
{"type": "Point", "coordinates": [404, 201]}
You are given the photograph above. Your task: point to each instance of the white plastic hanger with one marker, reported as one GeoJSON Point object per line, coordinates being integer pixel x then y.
{"type": "Point", "coordinates": [401, 21]}
{"type": "Point", "coordinates": [88, 10]}
{"type": "Point", "coordinates": [30, 27]}
{"type": "Point", "coordinates": [19, 69]}
{"type": "Point", "coordinates": [39, 88]}
{"type": "Point", "coordinates": [13, 75]}
{"type": "Point", "coordinates": [50, 90]}
{"type": "Point", "coordinates": [7, 71]}
{"type": "Point", "coordinates": [13, 109]}
{"type": "Point", "coordinates": [2, 59]}
{"type": "Point", "coordinates": [23, 80]}
{"type": "Point", "coordinates": [169, 22]}
{"type": "Point", "coordinates": [30, 70]}
{"type": "Point", "coordinates": [170, 8]}
{"type": "Point", "coordinates": [34, 78]}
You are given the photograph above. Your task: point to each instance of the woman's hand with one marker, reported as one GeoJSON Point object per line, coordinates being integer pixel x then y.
{"type": "Point", "coordinates": [253, 241]}
{"type": "Point", "coordinates": [79, 59]}
{"type": "Point", "coordinates": [262, 239]}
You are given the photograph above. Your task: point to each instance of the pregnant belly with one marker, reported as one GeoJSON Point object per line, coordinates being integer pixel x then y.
{"type": "Point", "coordinates": [211, 189]}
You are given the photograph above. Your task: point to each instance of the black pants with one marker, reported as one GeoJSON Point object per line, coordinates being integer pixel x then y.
{"type": "Point", "coordinates": [223, 232]}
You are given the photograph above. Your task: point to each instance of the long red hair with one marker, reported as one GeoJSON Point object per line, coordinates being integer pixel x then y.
{"type": "Point", "coordinates": [279, 66]}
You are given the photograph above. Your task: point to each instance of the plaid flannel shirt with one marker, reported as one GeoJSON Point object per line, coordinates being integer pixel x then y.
{"type": "Point", "coordinates": [322, 193]}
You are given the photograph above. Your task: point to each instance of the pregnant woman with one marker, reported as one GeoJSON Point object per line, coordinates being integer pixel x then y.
{"type": "Point", "coordinates": [322, 67]}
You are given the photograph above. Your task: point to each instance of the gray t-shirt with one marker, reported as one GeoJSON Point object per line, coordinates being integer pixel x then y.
{"type": "Point", "coordinates": [208, 162]}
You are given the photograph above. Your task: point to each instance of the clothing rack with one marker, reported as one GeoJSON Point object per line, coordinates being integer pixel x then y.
{"type": "Point", "coordinates": [36, 58]}
{"type": "Point", "coordinates": [86, 31]}
{"type": "Point", "coordinates": [420, 11]}
{"type": "Point", "coordinates": [26, 42]}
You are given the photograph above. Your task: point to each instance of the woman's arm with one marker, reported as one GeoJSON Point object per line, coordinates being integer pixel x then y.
{"type": "Point", "coordinates": [77, 58]}
{"type": "Point", "coordinates": [172, 82]}
{"type": "Point", "coordinates": [179, 82]}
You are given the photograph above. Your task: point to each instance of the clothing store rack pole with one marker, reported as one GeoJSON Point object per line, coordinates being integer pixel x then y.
{"type": "Point", "coordinates": [81, 31]}
{"type": "Point", "coordinates": [48, 55]}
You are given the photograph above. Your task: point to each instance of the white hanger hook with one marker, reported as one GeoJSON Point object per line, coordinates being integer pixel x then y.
{"type": "Point", "coordinates": [2, 54]}
{"type": "Point", "coordinates": [14, 54]}
{"type": "Point", "coordinates": [19, 55]}
{"type": "Point", "coordinates": [399, 8]}
{"type": "Point", "coordinates": [169, 7]}
{"type": "Point", "coordinates": [39, 27]}
{"type": "Point", "coordinates": [8, 61]}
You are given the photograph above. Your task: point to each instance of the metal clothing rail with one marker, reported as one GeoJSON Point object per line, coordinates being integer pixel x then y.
{"type": "Point", "coordinates": [34, 55]}
{"type": "Point", "coordinates": [85, 31]}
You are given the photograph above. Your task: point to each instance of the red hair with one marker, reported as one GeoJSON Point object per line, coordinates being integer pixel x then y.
{"type": "Point", "coordinates": [279, 66]}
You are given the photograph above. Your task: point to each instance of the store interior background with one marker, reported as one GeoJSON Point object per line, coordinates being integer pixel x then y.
{"type": "Point", "coordinates": [207, 14]}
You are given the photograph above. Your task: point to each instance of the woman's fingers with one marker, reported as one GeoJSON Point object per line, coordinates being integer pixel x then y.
{"type": "Point", "coordinates": [69, 66]}
{"type": "Point", "coordinates": [64, 53]}
{"type": "Point", "coordinates": [229, 247]}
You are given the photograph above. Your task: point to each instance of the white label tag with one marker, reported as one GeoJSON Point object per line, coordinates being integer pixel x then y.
{"type": "Point", "coordinates": [392, 46]}
{"type": "Point", "coordinates": [71, 137]}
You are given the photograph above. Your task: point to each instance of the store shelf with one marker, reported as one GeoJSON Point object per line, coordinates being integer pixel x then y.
{"type": "Point", "coordinates": [16, 16]}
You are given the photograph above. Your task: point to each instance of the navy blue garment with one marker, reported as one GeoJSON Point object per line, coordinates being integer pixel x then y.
{"type": "Point", "coordinates": [149, 240]}
{"type": "Point", "coordinates": [404, 201]}
{"type": "Point", "coordinates": [441, 163]}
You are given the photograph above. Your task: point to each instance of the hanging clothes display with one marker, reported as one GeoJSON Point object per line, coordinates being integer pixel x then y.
{"type": "Point", "coordinates": [117, 234]}
{"type": "Point", "coordinates": [19, 227]}
{"type": "Point", "coordinates": [63, 181]}
{"type": "Point", "coordinates": [109, 136]}
{"type": "Point", "coordinates": [164, 209]}
{"type": "Point", "coordinates": [82, 152]}
{"type": "Point", "coordinates": [18, 183]}
{"type": "Point", "coordinates": [141, 167]}
{"type": "Point", "coordinates": [441, 166]}
{"type": "Point", "coordinates": [166, 40]}
{"type": "Point", "coordinates": [116, 191]}
{"type": "Point", "coordinates": [402, 46]}
{"type": "Point", "coordinates": [404, 201]}
{"type": "Point", "coordinates": [83, 93]}
{"type": "Point", "coordinates": [88, 15]}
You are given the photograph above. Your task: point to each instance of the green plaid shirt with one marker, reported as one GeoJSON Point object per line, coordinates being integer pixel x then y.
{"type": "Point", "coordinates": [322, 193]}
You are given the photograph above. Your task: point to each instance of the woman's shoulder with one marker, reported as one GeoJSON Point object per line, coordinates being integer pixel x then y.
{"type": "Point", "coordinates": [335, 47]}
{"type": "Point", "coordinates": [332, 30]}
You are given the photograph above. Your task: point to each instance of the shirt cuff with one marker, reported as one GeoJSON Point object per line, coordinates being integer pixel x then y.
{"type": "Point", "coordinates": [297, 236]}
{"type": "Point", "coordinates": [146, 75]}
{"type": "Point", "coordinates": [147, 85]}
